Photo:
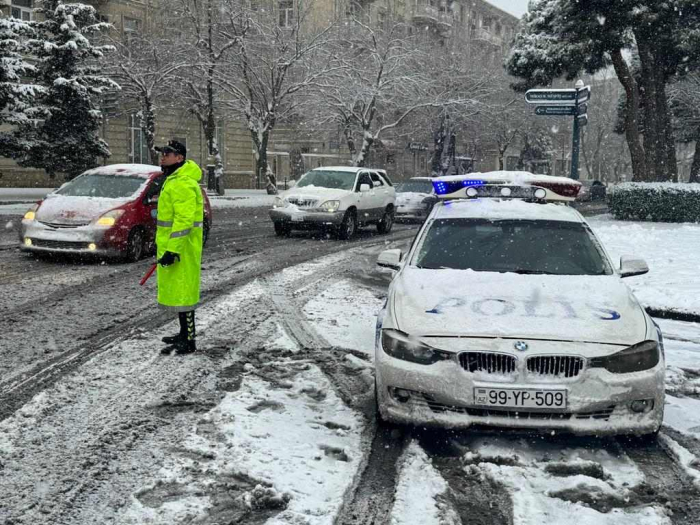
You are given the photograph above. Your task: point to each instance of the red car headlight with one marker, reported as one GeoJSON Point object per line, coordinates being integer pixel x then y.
{"type": "Point", "coordinates": [110, 218]}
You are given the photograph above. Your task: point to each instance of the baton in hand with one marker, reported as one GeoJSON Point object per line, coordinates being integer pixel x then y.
{"type": "Point", "coordinates": [148, 274]}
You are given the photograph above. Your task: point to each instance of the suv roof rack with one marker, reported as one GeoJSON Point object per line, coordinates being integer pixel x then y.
{"type": "Point", "coordinates": [507, 185]}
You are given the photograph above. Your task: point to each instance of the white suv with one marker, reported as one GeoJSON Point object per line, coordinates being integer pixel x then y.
{"type": "Point", "coordinates": [339, 198]}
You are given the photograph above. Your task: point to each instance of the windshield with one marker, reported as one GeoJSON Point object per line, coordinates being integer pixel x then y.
{"type": "Point", "coordinates": [337, 180]}
{"type": "Point", "coordinates": [106, 186]}
{"type": "Point", "coordinates": [518, 246]}
{"type": "Point", "coordinates": [415, 186]}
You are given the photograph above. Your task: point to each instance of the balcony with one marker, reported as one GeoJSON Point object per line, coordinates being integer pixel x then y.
{"type": "Point", "coordinates": [426, 14]}
{"type": "Point", "coordinates": [481, 33]}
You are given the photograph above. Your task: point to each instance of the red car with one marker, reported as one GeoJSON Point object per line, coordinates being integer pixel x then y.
{"type": "Point", "coordinates": [108, 211]}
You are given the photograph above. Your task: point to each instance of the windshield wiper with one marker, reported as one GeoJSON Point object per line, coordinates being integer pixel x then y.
{"type": "Point", "coordinates": [529, 272]}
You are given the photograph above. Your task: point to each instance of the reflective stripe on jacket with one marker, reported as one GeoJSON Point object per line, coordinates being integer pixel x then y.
{"type": "Point", "coordinates": [179, 229]}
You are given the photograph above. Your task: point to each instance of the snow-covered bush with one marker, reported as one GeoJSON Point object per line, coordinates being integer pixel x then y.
{"type": "Point", "coordinates": [655, 201]}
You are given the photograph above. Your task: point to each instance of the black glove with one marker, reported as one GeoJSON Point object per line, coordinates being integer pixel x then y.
{"type": "Point", "coordinates": [168, 259]}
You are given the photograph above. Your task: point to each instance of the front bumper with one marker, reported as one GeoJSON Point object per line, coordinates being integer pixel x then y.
{"type": "Point", "coordinates": [296, 218]}
{"type": "Point", "coordinates": [442, 394]}
{"type": "Point", "coordinates": [404, 212]}
{"type": "Point", "coordinates": [82, 240]}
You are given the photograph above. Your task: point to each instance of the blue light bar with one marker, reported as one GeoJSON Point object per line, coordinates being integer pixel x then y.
{"type": "Point", "coordinates": [447, 187]}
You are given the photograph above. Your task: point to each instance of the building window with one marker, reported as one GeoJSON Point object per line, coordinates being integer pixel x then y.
{"type": "Point", "coordinates": [22, 10]}
{"type": "Point", "coordinates": [138, 148]}
{"type": "Point", "coordinates": [286, 13]}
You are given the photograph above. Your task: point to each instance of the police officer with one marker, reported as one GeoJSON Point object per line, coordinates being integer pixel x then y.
{"type": "Point", "coordinates": [179, 243]}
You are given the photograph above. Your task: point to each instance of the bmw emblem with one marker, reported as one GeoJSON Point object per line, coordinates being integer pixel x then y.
{"type": "Point", "coordinates": [520, 346]}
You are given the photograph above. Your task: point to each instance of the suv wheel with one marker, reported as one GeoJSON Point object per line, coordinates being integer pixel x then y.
{"type": "Point", "coordinates": [282, 229]}
{"type": "Point", "coordinates": [385, 225]}
{"type": "Point", "coordinates": [348, 226]}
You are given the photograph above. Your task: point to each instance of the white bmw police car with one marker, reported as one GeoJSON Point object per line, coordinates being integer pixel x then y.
{"type": "Point", "coordinates": [507, 311]}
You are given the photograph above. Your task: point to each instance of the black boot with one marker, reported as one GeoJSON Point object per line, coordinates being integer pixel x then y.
{"type": "Point", "coordinates": [172, 339]}
{"type": "Point", "coordinates": [186, 345]}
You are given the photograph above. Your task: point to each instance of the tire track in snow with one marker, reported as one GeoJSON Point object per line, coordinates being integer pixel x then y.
{"type": "Point", "coordinates": [17, 391]}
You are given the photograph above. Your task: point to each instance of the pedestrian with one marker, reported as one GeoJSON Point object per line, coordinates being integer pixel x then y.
{"type": "Point", "coordinates": [179, 243]}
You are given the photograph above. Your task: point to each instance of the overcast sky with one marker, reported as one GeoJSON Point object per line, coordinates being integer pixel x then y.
{"type": "Point", "coordinates": [515, 7]}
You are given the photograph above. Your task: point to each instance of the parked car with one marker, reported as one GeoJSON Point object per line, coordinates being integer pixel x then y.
{"type": "Point", "coordinates": [592, 190]}
{"type": "Point", "coordinates": [108, 211]}
{"type": "Point", "coordinates": [507, 312]}
{"type": "Point", "coordinates": [414, 199]}
{"type": "Point", "coordinates": [338, 198]}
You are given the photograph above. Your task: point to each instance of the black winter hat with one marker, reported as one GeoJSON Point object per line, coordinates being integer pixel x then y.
{"type": "Point", "coordinates": [173, 147]}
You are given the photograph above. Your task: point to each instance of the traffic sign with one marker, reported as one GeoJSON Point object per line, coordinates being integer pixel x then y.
{"type": "Point", "coordinates": [565, 97]}
{"type": "Point", "coordinates": [582, 120]}
{"type": "Point", "coordinates": [555, 110]}
{"type": "Point", "coordinates": [582, 109]}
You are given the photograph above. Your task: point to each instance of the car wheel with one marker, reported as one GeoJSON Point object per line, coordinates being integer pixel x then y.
{"type": "Point", "coordinates": [282, 230]}
{"type": "Point", "coordinates": [205, 233]}
{"type": "Point", "coordinates": [348, 226]}
{"type": "Point", "coordinates": [385, 225]}
{"type": "Point", "coordinates": [135, 245]}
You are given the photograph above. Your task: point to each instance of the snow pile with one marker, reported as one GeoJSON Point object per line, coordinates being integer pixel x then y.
{"type": "Point", "coordinates": [672, 279]}
{"type": "Point", "coordinates": [345, 315]}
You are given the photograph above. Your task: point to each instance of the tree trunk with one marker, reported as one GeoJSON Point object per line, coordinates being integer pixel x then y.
{"type": "Point", "coordinates": [350, 140]}
{"type": "Point", "coordinates": [695, 167]}
{"type": "Point", "coordinates": [361, 158]}
{"type": "Point", "coordinates": [148, 124]}
{"type": "Point", "coordinates": [637, 154]}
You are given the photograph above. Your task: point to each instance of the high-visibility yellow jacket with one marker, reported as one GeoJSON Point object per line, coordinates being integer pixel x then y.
{"type": "Point", "coordinates": [179, 230]}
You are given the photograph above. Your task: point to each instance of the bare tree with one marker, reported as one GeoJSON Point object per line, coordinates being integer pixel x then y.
{"type": "Point", "coordinates": [382, 77]}
{"type": "Point", "coordinates": [210, 47]}
{"type": "Point", "coordinates": [683, 99]}
{"type": "Point", "coordinates": [275, 62]}
{"type": "Point", "coordinates": [147, 65]}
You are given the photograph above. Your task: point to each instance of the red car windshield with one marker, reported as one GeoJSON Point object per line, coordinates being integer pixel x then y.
{"type": "Point", "coordinates": [105, 186]}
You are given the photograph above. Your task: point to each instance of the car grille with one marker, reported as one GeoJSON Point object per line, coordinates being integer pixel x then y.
{"type": "Point", "coordinates": [555, 365]}
{"type": "Point", "coordinates": [59, 245]}
{"type": "Point", "coordinates": [61, 225]}
{"type": "Point", "coordinates": [488, 362]}
{"type": "Point", "coordinates": [302, 203]}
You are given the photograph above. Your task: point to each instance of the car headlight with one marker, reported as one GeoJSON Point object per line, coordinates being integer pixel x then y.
{"type": "Point", "coordinates": [330, 206]}
{"type": "Point", "coordinates": [110, 218]}
{"type": "Point", "coordinates": [401, 346]}
{"type": "Point", "coordinates": [279, 203]}
{"type": "Point", "coordinates": [642, 356]}
{"type": "Point", "coordinates": [31, 213]}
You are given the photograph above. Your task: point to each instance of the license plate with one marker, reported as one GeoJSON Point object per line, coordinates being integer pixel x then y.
{"type": "Point", "coordinates": [519, 398]}
{"type": "Point", "coordinates": [298, 217]}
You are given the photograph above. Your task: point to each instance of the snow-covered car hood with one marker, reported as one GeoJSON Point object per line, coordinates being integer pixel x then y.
{"type": "Point", "coordinates": [410, 198]}
{"type": "Point", "coordinates": [75, 210]}
{"type": "Point", "coordinates": [446, 302]}
{"type": "Point", "coordinates": [313, 193]}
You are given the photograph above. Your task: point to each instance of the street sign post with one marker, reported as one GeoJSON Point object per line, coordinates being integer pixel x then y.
{"type": "Point", "coordinates": [564, 102]}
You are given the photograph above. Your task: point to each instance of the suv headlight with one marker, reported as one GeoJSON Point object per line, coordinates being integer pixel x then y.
{"type": "Point", "coordinates": [330, 206]}
{"type": "Point", "coordinates": [642, 356]}
{"type": "Point", "coordinates": [279, 203]}
{"type": "Point", "coordinates": [110, 218]}
{"type": "Point", "coordinates": [401, 346]}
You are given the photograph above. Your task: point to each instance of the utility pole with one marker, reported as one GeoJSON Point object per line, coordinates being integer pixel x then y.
{"type": "Point", "coordinates": [576, 145]}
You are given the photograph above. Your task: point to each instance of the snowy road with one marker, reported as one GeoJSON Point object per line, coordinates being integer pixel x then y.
{"type": "Point", "coordinates": [274, 421]}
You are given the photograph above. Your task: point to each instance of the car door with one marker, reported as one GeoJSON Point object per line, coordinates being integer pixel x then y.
{"type": "Point", "coordinates": [380, 195]}
{"type": "Point", "coordinates": [150, 202]}
{"type": "Point", "coordinates": [367, 199]}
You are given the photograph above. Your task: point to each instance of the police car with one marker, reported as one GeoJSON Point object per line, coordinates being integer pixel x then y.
{"type": "Point", "coordinates": [507, 311]}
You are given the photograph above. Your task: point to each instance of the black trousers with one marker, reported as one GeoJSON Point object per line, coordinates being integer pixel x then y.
{"type": "Point", "coordinates": [187, 328]}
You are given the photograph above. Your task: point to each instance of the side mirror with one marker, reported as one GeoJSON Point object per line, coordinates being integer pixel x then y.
{"type": "Point", "coordinates": [390, 259]}
{"type": "Point", "coordinates": [153, 199]}
{"type": "Point", "coordinates": [630, 267]}
{"type": "Point", "coordinates": [376, 183]}
{"type": "Point", "coordinates": [364, 188]}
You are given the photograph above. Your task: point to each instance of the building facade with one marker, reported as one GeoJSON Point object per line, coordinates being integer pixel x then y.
{"type": "Point", "coordinates": [462, 25]}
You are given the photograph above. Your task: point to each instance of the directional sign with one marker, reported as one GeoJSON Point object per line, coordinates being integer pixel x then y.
{"type": "Point", "coordinates": [565, 97]}
{"type": "Point", "coordinates": [555, 110]}
{"type": "Point", "coordinates": [582, 120]}
{"type": "Point", "coordinates": [582, 109]}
